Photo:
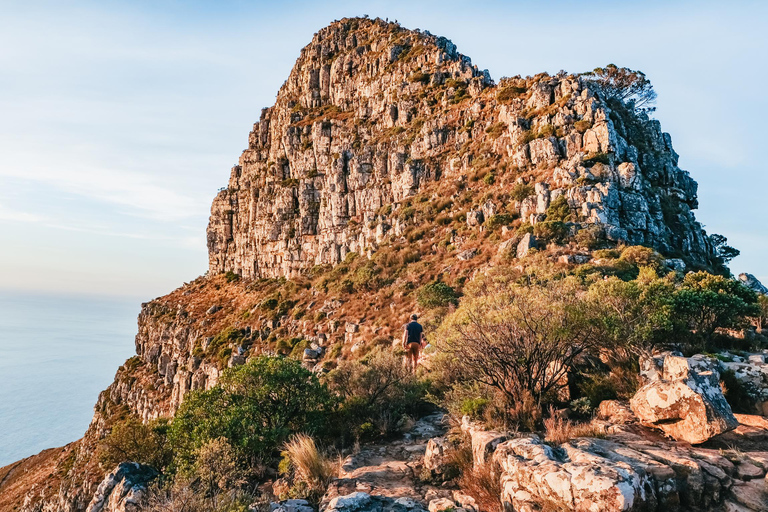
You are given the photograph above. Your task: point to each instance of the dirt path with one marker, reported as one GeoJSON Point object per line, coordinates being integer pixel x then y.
{"type": "Point", "coordinates": [389, 472]}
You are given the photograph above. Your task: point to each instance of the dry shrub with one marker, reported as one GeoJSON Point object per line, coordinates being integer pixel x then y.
{"type": "Point", "coordinates": [309, 465]}
{"type": "Point", "coordinates": [560, 430]}
{"type": "Point", "coordinates": [483, 483]}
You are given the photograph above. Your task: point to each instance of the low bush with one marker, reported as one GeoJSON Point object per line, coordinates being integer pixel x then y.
{"type": "Point", "coordinates": [131, 440]}
{"type": "Point", "coordinates": [420, 77]}
{"type": "Point", "coordinates": [582, 125]}
{"type": "Point", "coordinates": [255, 407]}
{"type": "Point", "coordinates": [436, 295]}
{"type": "Point", "coordinates": [508, 93]}
{"type": "Point", "coordinates": [499, 220]}
{"type": "Point", "coordinates": [559, 210]}
{"type": "Point", "coordinates": [642, 256]}
{"type": "Point", "coordinates": [591, 237]}
{"type": "Point", "coordinates": [551, 231]}
{"type": "Point", "coordinates": [521, 191]}
{"type": "Point", "coordinates": [496, 129]}
{"type": "Point", "coordinates": [378, 393]}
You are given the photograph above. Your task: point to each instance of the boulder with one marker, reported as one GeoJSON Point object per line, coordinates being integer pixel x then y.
{"type": "Point", "coordinates": [753, 283]}
{"type": "Point", "coordinates": [615, 412]}
{"type": "Point", "coordinates": [526, 244]}
{"type": "Point", "coordinates": [364, 502]}
{"type": "Point", "coordinates": [123, 489]}
{"type": "Point", "coordinates": [441, 504]}
{"type": "Point", "coordinates": [466, 501]}
{"type": "Point", "coordinates": [434, 456]}
{"type": "Point", "coordinates": [533, 473]}
{"type": "Point", "coordinates": [686, 402]}
{"type": "Point", "coordinates": [484, 442]}
{"type": "Point", "coordinates": [467, 255]}
{"type": "Point", "coordinates": [475, 218]}
{"type": "Point", "coordinates": [291, 506]}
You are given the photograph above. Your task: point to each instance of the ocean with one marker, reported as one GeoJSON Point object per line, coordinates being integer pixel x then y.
{"type": "Point", "coordinates": [56, 354]}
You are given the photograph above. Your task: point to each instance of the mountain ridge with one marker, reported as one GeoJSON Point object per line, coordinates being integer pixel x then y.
{"type": "Point", "coordinates": [387, 153]}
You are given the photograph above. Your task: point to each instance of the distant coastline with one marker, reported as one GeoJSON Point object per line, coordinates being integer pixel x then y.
{"type": "Point", "coordinates": [57, 352]}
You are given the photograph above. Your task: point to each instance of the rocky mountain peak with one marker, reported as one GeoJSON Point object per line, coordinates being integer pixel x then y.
{"type": "Point", "coordinates": [374, 115]}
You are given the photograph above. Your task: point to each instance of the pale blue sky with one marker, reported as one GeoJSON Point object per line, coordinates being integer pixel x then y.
{"type": "Point", "coordinates": [120, 120]}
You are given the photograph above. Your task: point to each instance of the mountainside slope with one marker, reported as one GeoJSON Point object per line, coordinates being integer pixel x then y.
{"type": "Point", "coordinates": [388, 155]}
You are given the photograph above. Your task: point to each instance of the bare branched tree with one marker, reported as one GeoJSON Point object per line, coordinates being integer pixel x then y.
{"type": "Point", "coordinates": [519, 340]}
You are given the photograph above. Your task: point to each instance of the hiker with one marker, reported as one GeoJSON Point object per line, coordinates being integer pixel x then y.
{"type": "Point", "coordinates": [413, 341]}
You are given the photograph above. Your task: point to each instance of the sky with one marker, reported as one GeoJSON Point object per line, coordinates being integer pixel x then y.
{"type": "Point", "coordinates": [119, 121]}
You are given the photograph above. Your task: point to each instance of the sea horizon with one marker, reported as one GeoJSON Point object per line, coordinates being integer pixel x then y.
{"type": "Point", "coordinates": [58, 351]}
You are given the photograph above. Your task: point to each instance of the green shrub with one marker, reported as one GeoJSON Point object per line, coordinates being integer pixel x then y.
{"type": "Point", "coordinates": [496, 129]}
{"type": "Point", "coordinates": [420, 77]}
{"type": "Point", "coordinates": [378, 393]}
{"type": "Point", "coordinates": [521, 191]}
{"type": "Point", "coordinates": [595, 158]}
{"type": "Point", "coordinates": [609, 254]}
{"type": "Point", "coordinates": [551, 231]}
{"type": "Point", "coordinates": [255, 407]}
{"type": "Point", "coordinates": [591, 237]}
{"type": "Point", "coordinates": [131, 440]}
{"type": "Point", "coordinates": [498, 220]}
{"type": "Point", "coordinates": [642, 256]}
{"type": "Point", "coordinates": [269, 304]}
{"type": "Point", "coordinates": [545, 131]}
{"type": "Point", "coordinates": [582, 126]}
{"type": "Point", "coordinates": [407, 213]}
{"type": "Point", "coordinates": [706, 302]}
{"type": "Point", "coordinates": [559, 210]}
{"type": "Point", "coordinates": [508, 93]}
{"type": "Point", "coordinates": [231, 276]}
{"type": "Point", "coordinates": [436, 295]}
{"type": "Point", "coordinates": [524, 228]}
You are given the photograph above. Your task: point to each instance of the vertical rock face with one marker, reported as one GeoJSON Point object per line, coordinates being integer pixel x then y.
{"type": "Point", "coordinates": [372, 114]}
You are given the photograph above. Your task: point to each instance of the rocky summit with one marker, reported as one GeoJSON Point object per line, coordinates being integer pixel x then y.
{"type": "Point", "coordinates": [390, 173]}
{"type": "Point", "coordinates": [373, 114]}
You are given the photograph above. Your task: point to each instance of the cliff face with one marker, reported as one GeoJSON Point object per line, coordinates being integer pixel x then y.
{"type": "Point", "coordinates": [371, 114]}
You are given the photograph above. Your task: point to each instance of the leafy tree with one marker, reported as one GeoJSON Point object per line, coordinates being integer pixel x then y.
{"type": "Point", "coordinates": [634, 316]}
{"type": "Point", "coordinates": [705, 302]}
{"type": "Point", "coordinates": [255, 408]}
{"type": "Point", "coordinates": [724, 253]}
{"type": "Point", "coordinates": [551, 231]}
{"type": "Point", "coordinates": [625, 85]}
{"type": "Point", "coordinates": [762, 317]}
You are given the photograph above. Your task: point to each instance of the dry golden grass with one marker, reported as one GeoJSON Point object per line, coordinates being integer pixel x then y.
{"type": "Point", "coordinates": [309, 464]}
{"type": "Point", "coordinates": [483, 483]}
{"type": "Point", "coordinates": [560, 430]}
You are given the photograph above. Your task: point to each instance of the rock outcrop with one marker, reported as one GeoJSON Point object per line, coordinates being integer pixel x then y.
{"type": "Point", "coordinates": [631, 470]}
{"type": "Point", "coordinates": [373, 114]}
{"type": "Point", "coordinates": [686, 402]}
{"type": "Point", "coordinates": [753, 283]}
{"type": "Point", "coordinates": [123, 490]}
